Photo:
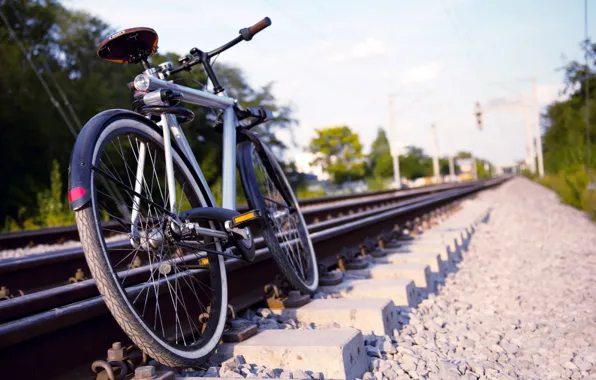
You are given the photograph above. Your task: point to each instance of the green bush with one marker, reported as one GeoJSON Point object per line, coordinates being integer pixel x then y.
{"type": "Point", "coordinates": [304, 193]}
{"type": "Point", "coordinates": [571, 185]}
{"type": "Point", "coordinates": [589, 203]}
{"type": "Point", "coordinates": [52, 207]}
{"type": "Point", "coordinates": [378, 183]}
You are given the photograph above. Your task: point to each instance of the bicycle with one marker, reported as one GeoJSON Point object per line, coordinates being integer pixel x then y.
{"type": "Point", "coordinates": [133, 176]}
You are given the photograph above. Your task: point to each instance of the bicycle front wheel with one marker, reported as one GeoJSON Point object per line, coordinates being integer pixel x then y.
{"type": "Point", "coordinates": [284, 229]}
{"type": "Point", "coordinates": [169, 296]}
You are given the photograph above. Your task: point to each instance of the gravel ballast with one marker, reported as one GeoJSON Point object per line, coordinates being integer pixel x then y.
{"type": "Point", "coordinates": [521, 305]}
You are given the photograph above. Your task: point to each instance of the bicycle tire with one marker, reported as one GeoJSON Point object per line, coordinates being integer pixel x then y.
{"type": "Point", "coordinates": [250, 152]}
{"type": "Point", "coordinates": [117, 295]}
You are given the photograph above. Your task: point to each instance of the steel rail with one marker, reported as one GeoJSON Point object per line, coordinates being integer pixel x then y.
{"type": "Point", "coordinates": [64, 294]}
{"type": "Point", "coordinates": [58, 296]}
{"type": "Point", "coordinates": [88, 329]}
{"type": "Point", "coordinates": [39, 272]}
{"type": "Point", "coordinates": [54, 235]}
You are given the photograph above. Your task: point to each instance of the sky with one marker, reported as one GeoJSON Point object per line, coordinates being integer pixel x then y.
{"type": "Point", "coordinates": [337, 62]}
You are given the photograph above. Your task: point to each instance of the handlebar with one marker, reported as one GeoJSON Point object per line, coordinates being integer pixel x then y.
{"type": "Point", "coordinates": [248, 33]}
{"type": "Point", "coordinates": [198, 57]}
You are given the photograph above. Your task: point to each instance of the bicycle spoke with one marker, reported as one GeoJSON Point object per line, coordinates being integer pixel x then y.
{"type": "Point", "coordinates": [174, 291]}
{"type": "Point", "coordinates": [282, 218]}
{"type": "Point", "coordinates": [278, 203]}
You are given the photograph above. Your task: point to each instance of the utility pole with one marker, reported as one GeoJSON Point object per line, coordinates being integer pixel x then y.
{"type": "Point", "coordinates": [437, 175]}
{"type": "Point", "coordinates": [393, 145]}
{"type": "Point", "coordinates": [534, 154]}
{"type": "Point", "coordinates": [525, 107]}
{"type": "Point", "coordinates": [537, 129]}
{"type": "Point", "coordinates": [451, 168]}
{"type": "Point", "coordinates": [530, 153]}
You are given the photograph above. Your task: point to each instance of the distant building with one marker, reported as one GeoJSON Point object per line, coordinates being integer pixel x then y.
{"type": "Point", "coordinates": [467, 168]}
{"type": "Point", "coordinates": [304, 165]}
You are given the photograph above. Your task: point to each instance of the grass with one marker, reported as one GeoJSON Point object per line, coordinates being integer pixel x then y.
{"type": "Point", "coordinates": [571, 185]}
{"type": "Point", "coordinates": [52, 208]}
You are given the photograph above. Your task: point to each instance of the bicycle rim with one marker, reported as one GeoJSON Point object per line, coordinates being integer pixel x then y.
{"type": "Point", "coordinates": [284, 229]}
{"type": "Point", "coordinates": [173, 289]}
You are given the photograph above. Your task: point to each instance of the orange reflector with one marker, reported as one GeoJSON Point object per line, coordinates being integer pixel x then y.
{"type": "Point", "coordinates": [244, 217]}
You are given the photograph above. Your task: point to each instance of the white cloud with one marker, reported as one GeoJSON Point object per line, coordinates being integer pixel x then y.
{"type": "Point", "coordinates": [369, 48]}
{"type": "Point", "coordinates": [422, 73]}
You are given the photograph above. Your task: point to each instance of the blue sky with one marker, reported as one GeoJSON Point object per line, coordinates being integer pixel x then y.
{"type": "Point", "coordinates": [337, 61]}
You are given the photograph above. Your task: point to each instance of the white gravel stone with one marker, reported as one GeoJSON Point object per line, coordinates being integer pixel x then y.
{"type": "Point", "coordinates": [212, 372]}
{"type": "Point", "coordinates": [50, 249]}
{"type": "Point", "coordinates": [521, 304]}
{"type": "Point", "coordinates": [522, 301]}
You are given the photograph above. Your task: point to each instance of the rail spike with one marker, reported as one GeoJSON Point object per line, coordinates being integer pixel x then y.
{"type": "Point", "coordinates": [78, 277]}
{"type": "Point", "coordinates": [119, 363]}
{"type": "Point", "coordinates": [329, 278]}
{"type": "Point", "coordinates": [280, 295]}
{"type": "Point", "coordinates": [6, 294]}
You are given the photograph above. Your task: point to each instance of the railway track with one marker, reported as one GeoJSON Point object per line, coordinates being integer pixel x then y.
{"type": "Point", "coordinates": [341, 203]}
{"type": "Point", "coordinates": [67, 325]}
{"type": "Point", "coordinates": [35, 273]}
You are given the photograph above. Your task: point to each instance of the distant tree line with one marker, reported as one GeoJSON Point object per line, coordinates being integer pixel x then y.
{"type": "Point", "coordinates": [570, 135]}
{"type": "Point", "coordinates": [339, 152]}
{"type": "Point", "coordinates": [564, 122]}
{"type": "Point", "coordinates": [36, 142]}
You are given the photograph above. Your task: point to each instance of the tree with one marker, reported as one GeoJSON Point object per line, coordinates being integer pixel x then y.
{"type": "Point", "coordinates": [482, 172]}
{"type": "Point", "coordinates": [565, 143]}
{"type": "Point", "coordinates": [444, 166]}
{"type": "Point", "coordinates": [564, 140]}
{"type": "Point", "coordinates": [380, 158]}
{"type": "Point", "coordinates": [339, 152]}
{"type": "Point", "coordinates": [62, 44]}
{"type": "Point", "coordinates": [415, 163]}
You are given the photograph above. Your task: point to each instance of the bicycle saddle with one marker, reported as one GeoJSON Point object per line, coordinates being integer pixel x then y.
{"type": "Point", "coordinates": [129, 45]}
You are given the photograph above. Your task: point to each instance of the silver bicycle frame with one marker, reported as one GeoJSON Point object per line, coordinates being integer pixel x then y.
{"type": "Point", "coordinates": [171, 129]}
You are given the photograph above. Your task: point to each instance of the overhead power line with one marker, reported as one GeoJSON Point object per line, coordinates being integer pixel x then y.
{"type": "Point", "coordinates": [460, 35]}
{"type": "Point", "coordinates": [586, 86]}
{"type": "Point", "coordinates": [109, 186]}
{"type": "Point", "coordinates": [37, 72]}
{"type": "Point", "coordinates": [49, 72]}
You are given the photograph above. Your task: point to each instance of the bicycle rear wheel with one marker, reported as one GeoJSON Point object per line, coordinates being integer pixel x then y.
{"type": "Point", "coordinates": [284, 229]}
{"type": "Point", "coordinates": [169, 296]}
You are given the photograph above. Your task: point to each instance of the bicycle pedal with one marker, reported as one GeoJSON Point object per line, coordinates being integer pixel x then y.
{"type": "Point", "coordinates": [246, 219]}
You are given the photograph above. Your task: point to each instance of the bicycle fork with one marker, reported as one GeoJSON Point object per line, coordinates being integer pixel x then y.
{"type": "Point", "coordinates": [170, 188]}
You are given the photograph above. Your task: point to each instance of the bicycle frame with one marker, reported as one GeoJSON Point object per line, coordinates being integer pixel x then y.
{"type": "Point", "coordinates": [171, 129]}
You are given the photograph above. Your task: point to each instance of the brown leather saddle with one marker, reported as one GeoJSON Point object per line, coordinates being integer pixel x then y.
{"type": "Point", "coordinates": [129, 45]}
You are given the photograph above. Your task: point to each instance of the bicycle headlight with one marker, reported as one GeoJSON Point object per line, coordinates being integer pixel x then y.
{"type": "Point", "coordinates": [142, 82]}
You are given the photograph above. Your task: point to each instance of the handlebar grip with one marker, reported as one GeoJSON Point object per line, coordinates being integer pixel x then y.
{"type": "Point", "coordinates": [249, 33]}
{"type": "Point", "coordinates": [256, 28]}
